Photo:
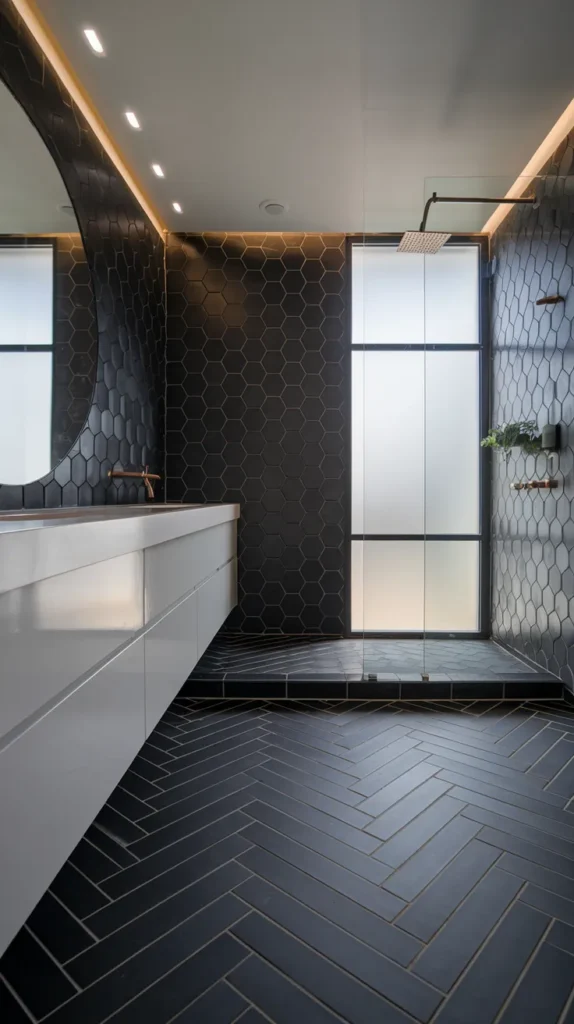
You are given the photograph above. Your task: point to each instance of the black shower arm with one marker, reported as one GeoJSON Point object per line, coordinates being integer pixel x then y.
{"type": "Point", "coordinates": [466, 199]}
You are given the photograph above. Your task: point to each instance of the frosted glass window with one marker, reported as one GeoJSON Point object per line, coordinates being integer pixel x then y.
{"type": "Point", "coordinates": [388, 296]}
{"type": "Point", "coordinates": [387, 585]}
{"type": "Point", "coordinates": [26, 294]}
{"type": "Point", "coordinates": [410, 299]}
{"type": "Point", "coordinates": [451, 585]}
{"type": "Point", "coordinates": [415, 447]}
{"type": "Point", "coordinates": [397, 586]}
{"type": "Point", "coordinates": [451, 296]}
{"type": "Point", "coordinates": [451, 442]}
{"type": "Point", "coordinates": [25, 415]}
{"type": "Point", "coordinates": [388, 442]}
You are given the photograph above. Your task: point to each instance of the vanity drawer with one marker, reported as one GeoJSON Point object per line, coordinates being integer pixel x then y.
{"type": "Point", "coordinates": [57, 630]}
{"type": "Point", "coordinates": [55, 777]}
{"type": "Point", "coordinates": [215, 600]}
{"type": "Point", "coordinates": [170, 656]}
{"type": "Point", "coordinates": [174, 568]}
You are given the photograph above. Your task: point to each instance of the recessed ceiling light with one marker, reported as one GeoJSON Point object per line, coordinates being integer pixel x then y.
{"type": "Point", "coordinates": [273, 207]}
{"type": "Point", "coordinates": [94, 41]}
{"type": "Point", "coordinates": [177, 207]}
{"type": "Point", "coordinates": [157, 169]}
{"type": "Point", "coordinates": [132, 119]}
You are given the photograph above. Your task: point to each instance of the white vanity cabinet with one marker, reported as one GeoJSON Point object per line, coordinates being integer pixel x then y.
{"type": "Point", "coordinates": [90, 659]}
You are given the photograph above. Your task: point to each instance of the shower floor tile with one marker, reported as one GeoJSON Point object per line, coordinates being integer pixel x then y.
{"type": "Point", "coordinates": [233, 655]}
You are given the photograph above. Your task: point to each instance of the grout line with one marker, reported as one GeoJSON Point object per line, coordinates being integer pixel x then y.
{"type": "Point", "coordinates": [477, 952]}
{"type": "Point", "coordinates": [117, 899]}
{"type": "Point", "coordinates": [89, 880]}
{"type": "Point", "coordinates": [52, 957]}
{"type": "Point", "coordinates": [157, 939]}
{"type": "Point", "coordinates": [76, 919]}
{"type": "Point", "coordinates": [16, 997]}
{"type": "Point", "coordinates": [524, 971]}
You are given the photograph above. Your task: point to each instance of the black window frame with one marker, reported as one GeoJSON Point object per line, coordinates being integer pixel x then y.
{"type": "Point", "coordinates": [485, 375]}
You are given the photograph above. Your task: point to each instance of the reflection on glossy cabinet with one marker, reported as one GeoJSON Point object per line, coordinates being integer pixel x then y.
{"type": "Point", "coordinates": [55, 776]}
{"type": "Point", "coordinates": [170, 655]}
{"type": "Point", "coordinates": [215, 599]}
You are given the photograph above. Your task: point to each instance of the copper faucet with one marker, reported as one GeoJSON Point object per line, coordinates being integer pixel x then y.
{"type": "Point", "coordinates": [145, 475]}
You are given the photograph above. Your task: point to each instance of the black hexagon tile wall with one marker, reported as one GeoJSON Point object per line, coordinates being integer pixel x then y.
{"type": "Point", "coordinates": [256, 412]}
{"type": "Point", "coordinates": [533, 378]}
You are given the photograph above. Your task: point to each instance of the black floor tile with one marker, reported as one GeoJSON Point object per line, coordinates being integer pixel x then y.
{"type": "Point", "coordinates": [340, 853]}
{"type": "Point", "coordinates": [536, 836]}
{"type": "Point", "coordinates": [404, 811]}
{"type": "Point", "coordinates": [410, 879]}
{"type": "Point", "coordinates": [220, 1005]}
{"type": "Point", "coordinates": [172, 993]}
{"type": "Point", "coordinates": [171, 883]}
{"type": "Point", "coordinates": [88, 859]}
{"type": "Point", "coordinates": [544, 989]}
{"type": "Point", "coordinates": [338, 878]}
{"type": "Point", "coordinates": [126, 982]}
{"type": "Point", "coordinates": [333, 987]}
{"type": "Point", "coordinates": [452, 949]}
{"type": "Point", "coordinates": [328, 860]}
{"type": "Point", "coordinates": [435, 905]}
{"type": "Point", "coordinates": [12, 1012]}
{"type": "Point", "coordinates": [191, 823]}
{"type": "Point", "coordinates": [34, 976]}
{"type": "Point", "coordinates": [138, 933]}
{"type": "Point", "coordinates": [528, 851]}
{"type": "Point", "coordinates": [416, 833]}
{"type": "Point", "coordinates": [77, 893]}
{"type": "Point", "coordinates": [374, 970]}
{"type": "Point", "coordinates": [57, 930]}
{"type": "Point", "coordinates": [117, 853]}
{"type": "Point", "coordinates": [491, 977]}
{"type": "Point", "coordinates": [157, 864]}
{"type": "Point", "coordinates": [279, 999]}
{"type": "Point", "coordinates": [334, 906]}
{"type": "Point", "coordinates": [188, 805]}
{"type": "Point", "coordinates": [562, 935]}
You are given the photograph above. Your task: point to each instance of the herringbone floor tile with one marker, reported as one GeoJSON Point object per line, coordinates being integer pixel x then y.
{"type": "Point", "coordinates": [318, 861]}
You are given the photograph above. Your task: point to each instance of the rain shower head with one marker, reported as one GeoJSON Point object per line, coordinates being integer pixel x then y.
{"type": "Point", "coordinates": [425, 242]}
{"type": "Point", "coordinates": [428, 243]}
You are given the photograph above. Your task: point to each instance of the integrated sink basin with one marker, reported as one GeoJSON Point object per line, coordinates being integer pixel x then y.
{"type": "Point", "coordinates": [99, 511]}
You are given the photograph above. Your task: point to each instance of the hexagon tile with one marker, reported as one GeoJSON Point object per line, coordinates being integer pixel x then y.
{"type": "Point", "coordinates": [256, 413]}
{"type": "Point", "coordinates": [533, 377]}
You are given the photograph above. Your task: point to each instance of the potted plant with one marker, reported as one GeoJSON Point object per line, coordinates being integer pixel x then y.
{"type": "Point", "coordinates": [523, 435]}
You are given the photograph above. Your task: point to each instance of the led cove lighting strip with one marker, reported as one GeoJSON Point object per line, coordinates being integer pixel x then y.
{"type": "Point", "coordinates": [34, 22]}
{"type": "Point", "coordinates": [556, 135]}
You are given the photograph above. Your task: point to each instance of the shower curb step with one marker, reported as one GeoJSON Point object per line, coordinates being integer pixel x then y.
{"type": "Point", "coordinates": [539, 687]}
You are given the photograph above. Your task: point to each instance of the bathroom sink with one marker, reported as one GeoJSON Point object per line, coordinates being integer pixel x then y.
{"type": "Point", "coordinates": [82, 512]}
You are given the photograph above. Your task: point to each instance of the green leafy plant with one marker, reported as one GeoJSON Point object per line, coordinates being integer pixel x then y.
{"type": "Point", "coordinates": [523, 435]}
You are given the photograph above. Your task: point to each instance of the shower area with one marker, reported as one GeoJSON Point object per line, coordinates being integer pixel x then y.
{"type": "Point", "coordinates": [455, 573]}
{"type": "Point", "coordinates": [461, 344]}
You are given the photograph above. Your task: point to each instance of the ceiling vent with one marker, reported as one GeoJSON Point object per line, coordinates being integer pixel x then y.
{"type": "Point", "coordinates": [273, 208]}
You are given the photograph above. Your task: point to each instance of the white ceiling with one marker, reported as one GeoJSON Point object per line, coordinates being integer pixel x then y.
{"type": "Point", "coordinates": [32, 192]}
{"type": "Point", "coordinates": [350, 111]}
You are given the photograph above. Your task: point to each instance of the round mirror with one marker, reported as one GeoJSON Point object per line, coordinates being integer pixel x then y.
{"type": "Point", "coordinates": [48, 337]}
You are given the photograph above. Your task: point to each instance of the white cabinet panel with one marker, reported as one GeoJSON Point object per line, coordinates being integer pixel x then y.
{"type": "Point", "coordinates": [178, 566]}
{"type": "Point", "coordinates": [170, 656]}
{"type": "Point", "coordinates": [215, 599]}
{"type": "Point", "coordinates": [55, 631]}
{"type": "Point", "coordinates": [55, 777]}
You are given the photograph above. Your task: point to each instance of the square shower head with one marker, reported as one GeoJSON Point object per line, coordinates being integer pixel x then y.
{"type": "Point", "coordinates": [425, 242]}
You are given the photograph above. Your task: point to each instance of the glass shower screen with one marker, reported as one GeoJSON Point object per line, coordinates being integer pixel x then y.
{"type": "Point", "coordinates": [415, 517]}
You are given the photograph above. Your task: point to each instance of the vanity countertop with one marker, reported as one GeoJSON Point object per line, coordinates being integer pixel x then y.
{"type": "Point", "coordinates": [38, 543]}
